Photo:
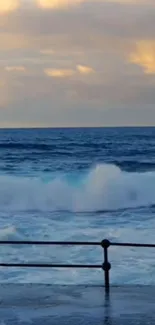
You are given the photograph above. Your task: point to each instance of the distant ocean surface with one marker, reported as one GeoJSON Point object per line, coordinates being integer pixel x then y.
{"type": "Point", "coordinates": [78, 184]}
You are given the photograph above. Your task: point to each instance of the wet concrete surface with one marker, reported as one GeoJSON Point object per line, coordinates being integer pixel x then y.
{"type": "Point", "coordinates": [76, 305]}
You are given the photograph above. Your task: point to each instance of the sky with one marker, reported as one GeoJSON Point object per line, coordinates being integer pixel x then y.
{"type": "Point", "coordinates": [77, 63]}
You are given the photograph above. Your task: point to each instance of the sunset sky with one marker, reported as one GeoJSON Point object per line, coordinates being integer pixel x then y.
{"type": "Point", "coordinates": [77, 63]}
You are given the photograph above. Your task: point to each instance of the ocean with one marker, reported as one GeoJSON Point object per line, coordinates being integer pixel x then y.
{"type": "Point", "coordinates": [78, 184]}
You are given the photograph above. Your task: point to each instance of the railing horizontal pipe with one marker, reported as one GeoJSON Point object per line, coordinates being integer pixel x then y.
{"type": "Point", "coordinates": [63, 243]}
{"type": "Point", "coordinates": [105, 244]}
{"type": "Point", "coordinates": [132, 245]}
{"type": "Point", "coordinates": [71, 243]}
{"type": "Point", "coordinates": [79, 266]}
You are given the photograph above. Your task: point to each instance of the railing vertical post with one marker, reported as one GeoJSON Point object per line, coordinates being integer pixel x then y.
{"type": "Point", "coordinates": [106, 266]}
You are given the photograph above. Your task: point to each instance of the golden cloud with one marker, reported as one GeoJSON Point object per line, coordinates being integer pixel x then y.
{"type": "Point", "coordinates": [15, 68]}
{"type": "Point", "coordinates": [58, 4]}
{"type": "Point", "coordinates": [144, 56]}
{"type": "Point", "coordinates": [59, 73]}
{"type": "Point", "coordinates": [83, 69]}
{"type": "Point", "coordinates": [8, 5]}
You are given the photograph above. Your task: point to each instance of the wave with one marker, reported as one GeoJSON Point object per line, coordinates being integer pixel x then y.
{"type": "Point", "coordinates": [104, 187]}
{"type": "Point", "coordinates": [10, 233]}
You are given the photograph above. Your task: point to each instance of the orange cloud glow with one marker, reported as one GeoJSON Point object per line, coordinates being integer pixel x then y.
{"type": "Point", "coordinates": [84, 69]}
{"type": "Point", "coordinates": [8, 5]}
{"type": "Point", "coordinates": [144, 56]}
{"type": "Point", "coordinates": [59, 73]}
{"type": "Point", "coordinates": [58, 4]}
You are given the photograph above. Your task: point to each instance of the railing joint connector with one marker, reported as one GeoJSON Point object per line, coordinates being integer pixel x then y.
{"type": "Point", "coordinates": [106, 266]}
{"type": "Point", "coordinates": [105, 243]}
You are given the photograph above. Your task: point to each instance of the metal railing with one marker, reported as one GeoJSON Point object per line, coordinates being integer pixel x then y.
{"type": "Point", "coordinates": [105, 244]}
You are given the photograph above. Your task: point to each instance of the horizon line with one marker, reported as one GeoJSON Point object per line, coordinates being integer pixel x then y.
{"type": "Point", "coordinates": [75, 127]}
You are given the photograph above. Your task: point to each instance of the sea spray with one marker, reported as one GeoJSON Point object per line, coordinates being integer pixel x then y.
{"type": "Point", "coordinates": [104, 187]}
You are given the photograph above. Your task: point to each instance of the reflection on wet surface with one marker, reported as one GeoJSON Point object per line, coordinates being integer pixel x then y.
{"type": "Point", "coordinates": [56, 305]}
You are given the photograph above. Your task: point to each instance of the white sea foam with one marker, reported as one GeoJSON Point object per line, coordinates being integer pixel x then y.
{"type": "Point", "coordinates": [104, 187]}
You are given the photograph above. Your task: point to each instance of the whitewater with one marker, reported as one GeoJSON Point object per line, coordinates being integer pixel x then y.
{"type": "Point", "coordinates": [78, 184]}
{"type": "Point", "coordinates": [105, 187]}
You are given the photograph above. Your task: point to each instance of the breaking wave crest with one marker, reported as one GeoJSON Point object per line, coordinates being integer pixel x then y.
{"type": "Point", "coordinates": [105, 187]}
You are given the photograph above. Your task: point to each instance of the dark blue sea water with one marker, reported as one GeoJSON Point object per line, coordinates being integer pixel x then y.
{"type": "Point", "coordinates": [73, 184]}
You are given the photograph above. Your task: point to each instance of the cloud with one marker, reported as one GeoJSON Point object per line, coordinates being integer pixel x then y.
{"type": "Point", "coordinates": [133, 2]}
{"type": "Point", "coordinates": [144, 56]}
{"type": "Point", "coordinates": [59, 73]}
{"type": "Point", "coordinates": [8, 5]}
{"type": "Point", "coordinates": [89, 27]}
{"type": "Point", "coordinates": [83, 69]}
{"type": "Point", "coordinates": [58, 4]}
{"type": "Point", "coordinates": [2, 83]}
{"type": "Point", "coordinates": [15, 68]}
{"type": "Point", "coordinates": [56, 63]}
{"type": "Point", "coordinates": [63, 73]}
{"type": "Point", "coordinates": [47, 51]}
{"type": "Point", "coordinates": [62, 4]}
